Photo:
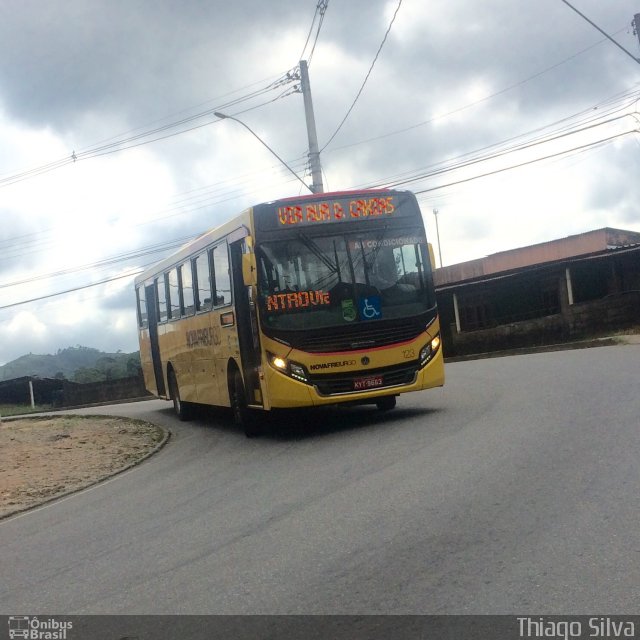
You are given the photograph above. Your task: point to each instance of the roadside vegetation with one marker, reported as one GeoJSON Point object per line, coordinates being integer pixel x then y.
{"type": "Point", "coordinates": [77, 364]}
{"type": "Point", "coordinates": [7, 410]}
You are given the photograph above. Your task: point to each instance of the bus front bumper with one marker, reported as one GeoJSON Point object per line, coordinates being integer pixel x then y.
{"type": "Point", "coordinates": [286, 392]}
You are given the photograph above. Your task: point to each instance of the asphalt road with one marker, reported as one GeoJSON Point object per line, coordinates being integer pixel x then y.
{"type": "Point", "coordinates": [514, 489]}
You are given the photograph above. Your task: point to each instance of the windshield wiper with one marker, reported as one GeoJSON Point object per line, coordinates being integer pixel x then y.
{"type": "Point", "coordinates": [335, 253]}
{"type": "Point", "coordinates": [318, 253]}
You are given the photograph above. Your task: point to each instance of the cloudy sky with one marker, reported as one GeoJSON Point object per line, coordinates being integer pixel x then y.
{"type": "Point", "coordinates": [517, 121]}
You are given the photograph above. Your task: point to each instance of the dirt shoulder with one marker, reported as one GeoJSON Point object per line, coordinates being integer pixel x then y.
{"type": "Point", "coordinates": [47, 457]}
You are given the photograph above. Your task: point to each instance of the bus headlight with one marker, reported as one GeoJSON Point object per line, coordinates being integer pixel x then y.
{"type": "Point", "coordinates": [292, 369]}
{"type": "Point", "coordinates": [429, 350]}
{"type": "Point", "coordinates": [297, 371]}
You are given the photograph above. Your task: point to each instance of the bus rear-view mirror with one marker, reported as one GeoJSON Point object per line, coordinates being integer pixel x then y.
{"type": "Point", "coordinates": [432, 257]}
{"type": "Point", "coordinates": [249, 272]}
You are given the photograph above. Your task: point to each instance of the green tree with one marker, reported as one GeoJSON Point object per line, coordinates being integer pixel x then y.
{"type": "Point", "coordinates": [133, 365]}
{"type": "Point", "coordinates": [85, 375]}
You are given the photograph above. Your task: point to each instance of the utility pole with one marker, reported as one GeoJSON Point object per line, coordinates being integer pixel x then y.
{"type": "Point", "coordinates": [435, 215]}
{"type": "Point", "coordinates": [314, 153]}
{"type": "Point", "coordinates": [636, 25]}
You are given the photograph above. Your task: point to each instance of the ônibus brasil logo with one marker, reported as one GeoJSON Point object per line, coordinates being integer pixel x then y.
{"type": "Point", "coordinates": [34, 628]}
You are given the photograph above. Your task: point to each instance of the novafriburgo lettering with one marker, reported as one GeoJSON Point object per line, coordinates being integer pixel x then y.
{"type": "Point", "coordinates": [332, 365]}
{"type": "Point", "coordinates": [334, 211]}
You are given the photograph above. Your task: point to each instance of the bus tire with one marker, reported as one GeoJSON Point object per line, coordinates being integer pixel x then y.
{"type": "Point", "coordinates": [386, 403]}
{"type": "Point", "coordinates": [242, 415]}
{"type": "Point", "coordinates": [182, 409]}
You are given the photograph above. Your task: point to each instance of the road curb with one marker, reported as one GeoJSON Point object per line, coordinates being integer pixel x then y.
{"type": "Point", "coordinates": [563, 346]}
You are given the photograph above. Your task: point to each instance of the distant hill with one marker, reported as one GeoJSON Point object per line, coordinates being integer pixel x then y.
{"type": "Point", "coordinates": [81, 364]}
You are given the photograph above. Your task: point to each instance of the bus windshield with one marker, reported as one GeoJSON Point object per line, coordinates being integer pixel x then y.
{"type": "Point", "coordinates": [311, 281]}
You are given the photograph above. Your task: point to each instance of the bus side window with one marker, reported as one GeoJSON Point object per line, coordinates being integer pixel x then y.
{"type": "Point", "coordinates": [408, 264]}
{"type": "Point", "coordinates": [202, 289]}
{"type": "Point", "coordinates": [186, 288]}
{"type": "Point", "coordinates": [161, 297]}
{"type": "Point", "coordinates": [222, 277]}
{"type": "Point", "coordinates": [142, 307]}
{"type": "Point", "coordinates": [173, 297]}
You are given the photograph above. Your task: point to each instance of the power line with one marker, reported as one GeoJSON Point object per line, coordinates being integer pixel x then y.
{"type": "Point", "coordinates": [499, 149]}
{"type": "Point", "coordinates": [117, 147]}
{"type": "Point", "coordinates": [217, 194]}
{"type": "Point", "coordinates": [154, 135]}
{"type": "Point", "coordinates": [203, 197]}
{"type": "Point", "coordinates": [79, 288]}
{"type": "Point", "coordinates": [321, 9]}
{"type": "Point", "coordinates": [475, 102]}
{"type": "Point", "coordinates": [109, 261]}
{"type": "Point", "coordinates": [501, 153]}
{"type": "Point", "coordinates": [272, 80]}
{"type": "Point", "coordinates": [335, 133]}
{"type": "Point", "coordinates": [527, 162]}
{"type": "Point", "coordinates": [604, 33]}
{"type": "Point", "coordinates": [120, 146]}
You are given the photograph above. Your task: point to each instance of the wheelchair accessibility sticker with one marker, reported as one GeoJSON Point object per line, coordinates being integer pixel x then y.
{"type": "Point", "coordinates": [370, 308]}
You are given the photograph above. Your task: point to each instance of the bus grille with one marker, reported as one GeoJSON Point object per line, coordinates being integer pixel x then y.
{"type": "Point", "coordinates": [328, 385]}
{"type": "Point", "coordinates": [365, 336]}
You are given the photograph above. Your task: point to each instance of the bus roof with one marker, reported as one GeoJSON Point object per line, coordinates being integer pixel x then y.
{"type": "Point", "coordinates": [233, 227]}
{"type": "Point", "coordinates": [335, 194]}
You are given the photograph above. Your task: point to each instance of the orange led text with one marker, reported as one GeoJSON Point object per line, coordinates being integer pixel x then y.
{"type": "Point", "coordinates": [296, 300]}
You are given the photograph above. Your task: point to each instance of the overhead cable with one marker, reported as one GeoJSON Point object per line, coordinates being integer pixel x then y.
{"type": "Point", "coordinates": [110, 261]}
{"type": "Point", "coordinates": [528, 162]}
{"type": "Point", "coordinates": [156, 134]}
{"type": "Point", "coordinates": [475, 103]}
{"type": "Point", "coordinates": [321, 8]}
{"type": "Point", "coordinates": [498, 149]}
{"type": "Point", "coordinates": [335, 133]}
{"type": "Point", "coordinates": [604, 33]}
{"type": "Point", "coordinates": [79, 288]}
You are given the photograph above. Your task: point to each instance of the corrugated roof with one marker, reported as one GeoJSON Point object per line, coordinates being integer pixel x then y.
{"type": "Point", "coordinates": [584, 244]}
{"type": "Point", "coordinates": [534, 268]}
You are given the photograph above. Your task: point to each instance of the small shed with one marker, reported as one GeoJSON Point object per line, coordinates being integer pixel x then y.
{"type": "Point", "coordinates": [567, 289]}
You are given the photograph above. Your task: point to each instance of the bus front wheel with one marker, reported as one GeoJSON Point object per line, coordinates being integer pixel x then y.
{"type": "Point", "coordinates": [182, 409]}
{"type": "Point", "coordinates": [242, 415]}
{"type": "Point", "coordinates": [386, 403]}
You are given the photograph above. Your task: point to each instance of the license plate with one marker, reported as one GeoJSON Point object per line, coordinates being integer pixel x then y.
{"type": "Point", "coordinates": [361, 384]}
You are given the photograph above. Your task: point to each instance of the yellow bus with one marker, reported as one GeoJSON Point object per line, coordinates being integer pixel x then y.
{"type": "Point", "coordinates": [300, 302]}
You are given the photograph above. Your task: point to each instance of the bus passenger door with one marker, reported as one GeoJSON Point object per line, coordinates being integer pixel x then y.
{"type": "Point", "coordinates": [247, 320]}
{"type": "Point", "coordinates": [152, 315]}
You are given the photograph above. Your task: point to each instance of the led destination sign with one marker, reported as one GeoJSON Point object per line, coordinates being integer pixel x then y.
{"type": "Point", "coordinates": [335, 210]}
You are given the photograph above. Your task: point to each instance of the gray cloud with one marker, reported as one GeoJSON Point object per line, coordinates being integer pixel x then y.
{"type": "Point", "coordinates": [142, 59]}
